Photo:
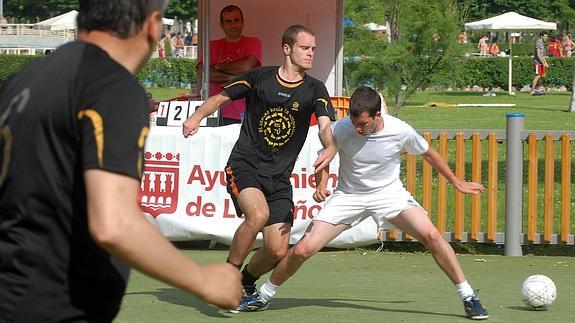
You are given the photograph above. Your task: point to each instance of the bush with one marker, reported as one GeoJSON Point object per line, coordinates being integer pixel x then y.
{"type": "Point", "coordinates": [159, 72]}
{"type": "Point", "coordinates": [168, 72]}
{"type": "Point", "coordinates": [481, 71]}
{"type": "Point", "coordinates": [11, 64]}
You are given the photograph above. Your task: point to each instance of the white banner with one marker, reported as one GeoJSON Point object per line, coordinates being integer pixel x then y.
{"type": "Point", "coordinates": [183, 189]}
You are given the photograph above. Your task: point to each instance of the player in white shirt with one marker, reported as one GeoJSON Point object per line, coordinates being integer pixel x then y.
{"type": "Point", "coordinates": [369, 144]}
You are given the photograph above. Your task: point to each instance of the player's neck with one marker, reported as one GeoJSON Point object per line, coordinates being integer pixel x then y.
{"type": "Point", "coordinates": [123, 51]}
{"type": "Point", "coordinates": [291, 73]}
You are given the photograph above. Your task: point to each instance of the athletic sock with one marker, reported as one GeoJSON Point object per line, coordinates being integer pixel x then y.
{"type": "Point", "coordinates": [268, 290]}
{"type": "Point", "coordinates": [239, 267]}
{"type": "Point", "coordinates": [464, 290]}
{"type": "Point", "coordinates": [247, 278]}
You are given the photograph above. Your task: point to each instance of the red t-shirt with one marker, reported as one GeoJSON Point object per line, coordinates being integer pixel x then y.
{"type": "Point", "coordinates": [223, 51]}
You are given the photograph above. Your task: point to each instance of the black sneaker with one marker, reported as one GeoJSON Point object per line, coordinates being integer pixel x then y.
{"type": "Point", "coordinates": [252, 303]}
{"type": "Point", "coordinates": [249, 289]}
{"type": "Point", "coordinates": [474, 310]}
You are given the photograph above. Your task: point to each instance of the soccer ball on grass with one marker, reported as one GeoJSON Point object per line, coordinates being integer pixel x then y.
{"type": "Point", "coordinates": [538, 292]}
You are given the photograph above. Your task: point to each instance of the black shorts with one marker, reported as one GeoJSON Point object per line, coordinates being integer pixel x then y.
{"type": "Point", "coordinates": [277, 190]}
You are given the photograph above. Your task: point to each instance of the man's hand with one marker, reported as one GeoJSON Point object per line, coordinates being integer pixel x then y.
{"type": "Point", "coordinates": [468, 187]}
{"type": "Point", "coordinates": [190, 127]}
{"type": "Point", "coordinates": [222, 285]}
{"type": "Point", "coordinates": [324, 158]}
{"type": "Point", "coordinates": [321, 194]}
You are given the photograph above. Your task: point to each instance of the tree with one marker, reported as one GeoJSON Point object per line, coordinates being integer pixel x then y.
{"type": "Point", "coordinates": [43, 9]}
{"type": "Point", "coordinates": [185, 10]}
{"type": "Point", "coordinates": [36, 10]}
{"type": "Point", "coordinates": [423, 44]}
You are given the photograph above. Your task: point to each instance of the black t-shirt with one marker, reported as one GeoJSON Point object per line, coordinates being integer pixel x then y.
{"type": "Point", "coordinates": [73, 110]}
{"type": "Point", "coordinates": [277, 118]}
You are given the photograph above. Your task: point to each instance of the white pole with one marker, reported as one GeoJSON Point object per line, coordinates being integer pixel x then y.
{"type": "Point", "coordinates": [510, 88]}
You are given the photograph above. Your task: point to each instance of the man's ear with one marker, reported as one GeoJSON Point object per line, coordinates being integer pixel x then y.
{"type": "Point", "coordinates": [154, 26]}
{"type": "Point", "coordinates": [287, 49]}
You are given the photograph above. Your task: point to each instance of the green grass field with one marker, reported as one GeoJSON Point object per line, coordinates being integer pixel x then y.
{"type": "Point", "coordinates": [542, 112]}
{"type": "Point", "coordinates": [368, 286]}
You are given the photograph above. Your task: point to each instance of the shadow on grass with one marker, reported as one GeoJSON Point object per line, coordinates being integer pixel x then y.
{"type": "Point", "coordinates": [520, 308]}
{"type": "Point", "coordinates": [178, 297]}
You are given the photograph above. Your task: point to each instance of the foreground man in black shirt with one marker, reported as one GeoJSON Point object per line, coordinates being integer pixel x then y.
{"type": "Point", "coordinates": [72, 133]}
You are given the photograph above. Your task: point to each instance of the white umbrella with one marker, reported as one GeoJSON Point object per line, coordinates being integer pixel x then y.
{"type": "Point", "coordinates": [510, 21]}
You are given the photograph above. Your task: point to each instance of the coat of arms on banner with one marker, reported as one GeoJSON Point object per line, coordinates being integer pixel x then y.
{"type": "Point", "coordinates": [159, 187]}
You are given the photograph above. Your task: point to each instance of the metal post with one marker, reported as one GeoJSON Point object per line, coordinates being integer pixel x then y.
{"type": "Point", "coordinates": [514, 185]}
{"type": "Point", "coordinates": [1, 8]}
{"type": "Point", "coordinates": [206, 50]}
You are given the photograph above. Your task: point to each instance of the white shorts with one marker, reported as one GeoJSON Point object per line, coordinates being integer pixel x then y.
{"type": "Point", "coordinates": [352, 208]}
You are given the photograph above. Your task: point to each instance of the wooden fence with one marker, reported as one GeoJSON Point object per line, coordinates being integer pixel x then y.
{"type": "Point", "coordinates": [479, 156]}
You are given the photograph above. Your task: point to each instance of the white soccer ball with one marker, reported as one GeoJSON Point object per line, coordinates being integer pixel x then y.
{"type": "Point", "coordinates": [538, 292]}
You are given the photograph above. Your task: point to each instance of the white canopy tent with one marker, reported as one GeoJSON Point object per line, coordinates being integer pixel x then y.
{"type": "Point", "coordinates": [374, 27]}
{"type": "Point", "coordinates": [61, 22]}
{"type": "Point", "coordinates": [268, 19]}
{"type": "Point", "coordinates": [510, 22]}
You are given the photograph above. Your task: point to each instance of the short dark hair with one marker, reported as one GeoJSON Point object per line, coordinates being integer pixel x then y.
{"type": "Point", "coordinates": [364, 99]}
{"type": "Point", "coordinates": [290, 34]}
{"type": "Point", "coordinates": [124, 18]}
{"type": "Point", "coordinates": [543, 33]}
{"type": "Point", "coordinates": [230, 8]}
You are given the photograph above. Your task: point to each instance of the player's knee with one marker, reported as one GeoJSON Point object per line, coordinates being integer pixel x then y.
{"type": "Point", "coordinates": [277, 253]}
{"type": "Point", "coordinates": [303, 251]}
{"type": "Point", "coordinates": [431, 238]}
{"type": "Point", "coordinates": [256, 219]}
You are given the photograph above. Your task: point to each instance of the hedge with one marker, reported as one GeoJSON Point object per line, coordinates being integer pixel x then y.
{"type": "Point", "coordinates": [168, 72]}
{"type": "Point", "coordinates": [468, 71]}
{"type": "Point", "coordinates": [159, 72]}
{"type": "Point", "coordinates": [486, 72]}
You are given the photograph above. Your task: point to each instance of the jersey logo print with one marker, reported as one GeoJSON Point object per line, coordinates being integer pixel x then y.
{"type": "Point", "coordinates": [98, 125]}
{"type": "Point", "coordinates": [16, 105]}
{"type": "Point", "coordinates": [277, 126]}
{"type": "Point", "coordinates": [159, 189]}
{"type": "Point", "coordinates": [295, 106]}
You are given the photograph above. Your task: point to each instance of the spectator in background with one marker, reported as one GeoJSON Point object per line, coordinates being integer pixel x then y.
{"type": "Point", "coordinates": [483, 45]}
{"type": "Point", "coordinates": [554, 48]}
{"type": "Point", "coordinates": [494, 48]}
{"type": "Point", "coordinates": [462, 38]}
{"type": "Point", "coordinates": [567, 45]}
{"type": "Point", "coordinates": [540, 65]}
{"type": "Point", "coordinates": [3, 23]}
{"type": "Point", "coordinates": [167, 43]}
{"type": "Point", "coordinates": [231, 56]}
{"type": "Point", "coordinates": [179, 46]}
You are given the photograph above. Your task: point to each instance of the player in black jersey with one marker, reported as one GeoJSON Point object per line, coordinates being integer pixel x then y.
{"type": "Point", "coordinates": [72, 133]}
{"type": "Point", "coordinates": [279, 103]}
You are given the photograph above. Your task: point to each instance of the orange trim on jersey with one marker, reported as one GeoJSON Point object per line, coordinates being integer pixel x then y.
{"type": "Point", "coordinates": [233, 185]}
{"type": "Point", "coordinates": [246, 83]}
{"type": "Point", "coordinates": [324, 101]}
{"type": "Point", "coordinates": [286, 84]}
{"type": "Point", "coordinates": [98, 125]}
{"type": "Point", "coordinates": [141, 142]}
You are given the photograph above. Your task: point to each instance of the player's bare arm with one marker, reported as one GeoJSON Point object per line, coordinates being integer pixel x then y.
{"type": "Point", "coordinates": [120, 227]}
{"type": "Point", "coordinates": [437, 162]}
{"type": "Point", "coordinates": [326, 139]}
{"type": "Point", "coordinates": [321, 192]}
{"type": "Point", "coordinates": [192, 124]}
{"type": "Point", "coordinates": [238, 67]}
